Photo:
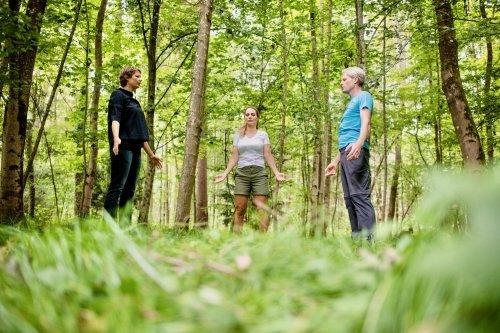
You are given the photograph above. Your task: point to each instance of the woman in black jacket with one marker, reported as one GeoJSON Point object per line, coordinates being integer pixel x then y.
{"type": "Point", "coordinates": [127, 134]}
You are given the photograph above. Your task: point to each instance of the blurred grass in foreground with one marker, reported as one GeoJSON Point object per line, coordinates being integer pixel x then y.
{"type": "Point", "coordinates": [92, 276]}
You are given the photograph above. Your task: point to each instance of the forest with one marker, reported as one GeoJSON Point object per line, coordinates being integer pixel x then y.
{"type": "Point", "coordinates": [177, 263]}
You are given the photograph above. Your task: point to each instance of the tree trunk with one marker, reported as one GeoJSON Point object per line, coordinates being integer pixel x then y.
{"type": "Point", "coordinates": [195, 118]}
{"type": "Point", "coordinates": [202, 192]}
{"type": "Point", "coordinates": [284, 106]}
{"type": "Point", "coordinates": [94, 112]}
{"type": "Point", "coordinates": [328, 118]}
{"type": "Point", "coordinates": [317, 183]}
{"type": "Point", "coordinates": [22, 53]}
{"type": "Point", "coordinates": [150, 113]}
{"type": "Point", "coordinates": [31, 177]}
{"type": "Point", "coordinates": [465, 129]}
{"type": "Point", "coordinates": [305, 174]}
{"type": "Point", "coordinates": [81, 175]}
{"type": "Point", "coordinates": [488, 112]}
{"type": "Point", "coordinates": [394, 185]}
{"type": "Point", "coordinates": [437, 135]}
{"type": "Point", "coordinates": [78, 193]}
{"type": "Point", "coordinates": [384, 116]}
{"type": "Point", "coordinates": [436, 100]}
{"type": "Point", "coordinates": [166, 202]}
{"type": "Point", "coordinates": [284, 90]}
{"type": "Point", "coordinates": [360, 34]}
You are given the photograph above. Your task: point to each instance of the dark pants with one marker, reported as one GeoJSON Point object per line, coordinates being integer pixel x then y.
{"type": "Point", "coordinates": [124, 172]}
{"type": "Point", "coordinates": [355, 175]}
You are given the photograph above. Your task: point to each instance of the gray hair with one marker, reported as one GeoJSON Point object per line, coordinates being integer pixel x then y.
{"type": "Point", "coordinates": [355, 73]}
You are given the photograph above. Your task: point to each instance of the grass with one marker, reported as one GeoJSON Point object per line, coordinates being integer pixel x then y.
{"type": "Point", "coordinates": [92, 276]}
{"type": "Point", "coordinates": [83, 277]}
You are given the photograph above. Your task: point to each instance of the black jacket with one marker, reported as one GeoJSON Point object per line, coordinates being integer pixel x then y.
{"type": "Point", "coordinates": [126, 110]}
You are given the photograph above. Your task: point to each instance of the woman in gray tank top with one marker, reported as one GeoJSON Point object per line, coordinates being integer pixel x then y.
{"type": "Point", "coordinates": [251, 150]}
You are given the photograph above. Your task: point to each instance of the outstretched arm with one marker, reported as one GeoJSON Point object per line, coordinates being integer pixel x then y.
{"type": "Point", "coordinates": [156, 160]}
{"type": "Point", "coordinates": [268, 156]}
{"type": "Point", "coordinates": [233, 159]}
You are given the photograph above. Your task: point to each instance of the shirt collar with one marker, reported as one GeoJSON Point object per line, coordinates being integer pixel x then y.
{"type": "Point", "coordinates": [128, 93]}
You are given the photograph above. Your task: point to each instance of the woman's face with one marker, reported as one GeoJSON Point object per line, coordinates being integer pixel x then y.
{"type": "Point", "coordinates": [251, 117]}
{"type": "Point", "coordinates": [135, 80]}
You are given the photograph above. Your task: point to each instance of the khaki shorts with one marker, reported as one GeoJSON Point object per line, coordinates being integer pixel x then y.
{"type": "Point", "coordinates": [251, 179]}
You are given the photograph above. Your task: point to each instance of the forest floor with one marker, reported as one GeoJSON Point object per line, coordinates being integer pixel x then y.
{"type": "Point", "coordinates": [94, 276]}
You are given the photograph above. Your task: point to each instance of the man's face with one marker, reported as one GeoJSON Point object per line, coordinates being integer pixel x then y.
{"type": "Point", "coordinates": [347, 83]}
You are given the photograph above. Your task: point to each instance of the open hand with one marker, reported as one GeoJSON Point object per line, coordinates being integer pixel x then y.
{"type": "Point", "coordinates": [156, 161]}
{"type": "Point", "coordinates": [220, 177]}
{"type": "Point", "coordinates": [280, 176]}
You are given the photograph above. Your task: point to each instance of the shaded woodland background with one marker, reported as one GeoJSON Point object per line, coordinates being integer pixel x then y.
{"type": "Point", "coordinates": [431, 66]}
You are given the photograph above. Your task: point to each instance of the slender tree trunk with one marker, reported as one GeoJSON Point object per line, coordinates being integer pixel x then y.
{"type": "Point", "coordinates": [488, 112]}
{"type": "Point", "coordinates": [394, 185]}
{"type": "Point", "coordinates": [94, 112]}
{"type": "Point", "coordinates": [335, 205]}
{"type": "Point", "coordinates": [78, 193]}
{"type": "Point", "coordinates": [81, 176]}
{"type": "Point", "coordinates": [202, 191]}
{"type": "Point", "coordinates": [52, 173]}
{"type": "Point", "coordinates": [360, 34]}
{"type": "Point", "coordinates": [402, 203]}
{"type": "Point", "coordinates": [195, 118]}
{"type": "Point", "coordinates": [284, 94]}
{"type": "Point", "coordinates": [284, 109]}
{"type": "Point", "coordinates": [384, 116]}
{"type": "Point", "coordinates": [436, 101]}
{"type": "Point", "coordinates": [150, 114]}
{"type": "Point", "coordinates": [437, 136]}
{"type": "Point", "coordinates": [378, 196]}
{"type": "Point", "coordinates": [304, 172]}
{"type": "Point", "coordinates": [167, 186]}
{"type": "Point", "coordinates": [31, 177]}
{"type": "Point", "coordinates": [284, 90]}
{"type": "Point", "coordinates": [465, 129]}
{"type": "Point", "coordinates": [328, 118]}
{"type": "Point", "coordinates": [21, 58]}
{"type": "Point", "coordinates": [317, 184]}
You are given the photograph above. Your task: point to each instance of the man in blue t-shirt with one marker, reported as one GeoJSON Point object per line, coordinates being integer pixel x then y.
{"type": "Point", "coordinates": [354, 154]}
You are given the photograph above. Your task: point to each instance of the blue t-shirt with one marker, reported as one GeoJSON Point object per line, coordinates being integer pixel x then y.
{"type": "Point", "coordinates": [350, 125]}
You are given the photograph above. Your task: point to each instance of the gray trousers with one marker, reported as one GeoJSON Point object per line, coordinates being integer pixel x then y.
{"type": "Point", "coordinates": [355, 176]}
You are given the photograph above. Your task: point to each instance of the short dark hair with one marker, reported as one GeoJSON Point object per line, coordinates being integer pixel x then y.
{"type": "Point", "coordinates": [126, 74]}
